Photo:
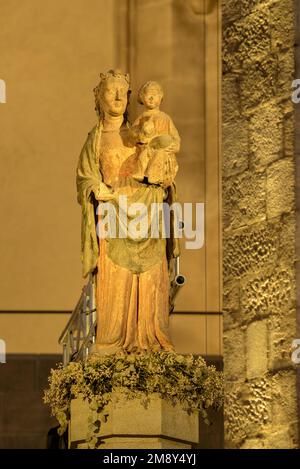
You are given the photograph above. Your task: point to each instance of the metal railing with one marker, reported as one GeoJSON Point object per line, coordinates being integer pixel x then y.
{"type": "Point", "coordinates": [79, 335]}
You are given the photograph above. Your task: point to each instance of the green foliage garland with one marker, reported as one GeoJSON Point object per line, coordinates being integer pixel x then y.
{"type": "Point", "coordinates": [184, 379]}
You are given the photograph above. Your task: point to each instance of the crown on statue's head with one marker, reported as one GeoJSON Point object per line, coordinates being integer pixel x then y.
{"type": "Point", "coordinates": [117, 73]}
{"type": "Point", "coordinates": [111, 74]}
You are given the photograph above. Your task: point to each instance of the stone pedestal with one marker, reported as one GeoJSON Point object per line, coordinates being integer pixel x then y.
{"type": "Point", "coordinates": [130, 425]}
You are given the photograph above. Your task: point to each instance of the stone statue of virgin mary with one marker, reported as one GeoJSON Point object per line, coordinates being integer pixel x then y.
{"type": "Point", "coordinates": [132, 274]}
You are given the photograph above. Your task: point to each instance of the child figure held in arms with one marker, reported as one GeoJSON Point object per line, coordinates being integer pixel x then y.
{"type": "Point", "coordinates": [156, 137]}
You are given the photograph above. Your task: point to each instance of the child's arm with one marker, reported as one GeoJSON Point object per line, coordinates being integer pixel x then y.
{"type": "Point", "coordinates": [135, 129]}
{"type": "Point", "coordinates": [175, 146]}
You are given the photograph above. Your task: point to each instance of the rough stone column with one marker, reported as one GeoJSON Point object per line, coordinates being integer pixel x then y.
{"type": "Point", "coordinates": [259, 223]}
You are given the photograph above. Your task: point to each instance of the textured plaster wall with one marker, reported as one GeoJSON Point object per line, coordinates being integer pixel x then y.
{"type": "Point", "coordinates": [259, 223]}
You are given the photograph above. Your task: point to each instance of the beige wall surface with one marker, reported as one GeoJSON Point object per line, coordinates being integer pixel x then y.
{"type": "Point", "coordinates": [32, 333]}
{"type": "Point", "coordinates": [51, 53]}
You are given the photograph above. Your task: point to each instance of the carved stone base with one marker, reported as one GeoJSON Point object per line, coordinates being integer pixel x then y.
{"type": "Point", "coordinates": [131, 425]}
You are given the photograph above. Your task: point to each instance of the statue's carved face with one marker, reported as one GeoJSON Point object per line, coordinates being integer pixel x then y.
{"type": "Point", "coordinates": [152, 97]}
{"type": "Point", "coordinates": [113, 98]}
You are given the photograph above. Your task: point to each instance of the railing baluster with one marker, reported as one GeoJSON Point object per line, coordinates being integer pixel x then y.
{"type": "Point", "coordinates": [65, 358]}
{"type": "Point", "coordinates": [79, 334]}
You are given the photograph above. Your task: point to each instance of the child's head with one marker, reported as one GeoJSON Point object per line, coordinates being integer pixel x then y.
{"type": "Point", "coordinates": [150, 94]}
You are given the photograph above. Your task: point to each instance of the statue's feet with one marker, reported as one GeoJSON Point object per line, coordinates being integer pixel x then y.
{"type": "Point", "coordinates": [104, 349]}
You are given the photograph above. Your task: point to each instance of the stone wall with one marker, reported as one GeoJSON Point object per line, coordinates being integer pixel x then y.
{"type": "Point", "coordinates": [259, 223]}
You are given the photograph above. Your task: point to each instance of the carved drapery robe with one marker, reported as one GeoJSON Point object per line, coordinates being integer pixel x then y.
{"type": "Point", "coordinates": [132, 294]}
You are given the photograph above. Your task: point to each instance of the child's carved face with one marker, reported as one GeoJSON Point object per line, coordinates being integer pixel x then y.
{"type": "Point", "coordinates": [152, 97]}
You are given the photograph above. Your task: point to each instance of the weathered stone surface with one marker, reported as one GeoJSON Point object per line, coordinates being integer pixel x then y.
{"type": "Point", "coordinates": [254, 422]}
{"type": "Point", "coordinates": [286, 74]}
{"type": "Point", "coordinates": [246, 40]}
{"type": "Point", "coordinates": [282, 439]}
{"type": "Point", "coordinates": [231, 304]}
{"type": "Point", "coordinates": [259, 82]}
{"type": "Point", "coordinates": [249, 249]}
{"type": "Point", "coordinates": [235, 148]}
{"type": "Point", "coordinates": [231, 98]}
{"type": "Point", "coordinates": [265, 135]}
{"type": "Point", "coordinates": [280, 187]}
{"type": "Point", "coordinates": [248, 6]}
{"type": "Point", "coordinates": [278, 438]}
{"type": "Point", "coordinates": [259, 255]}
{"type": "Point", "coordinates": [234, 354]}
{"type": "Point", "coordinates": [268, 293]}
{"type": "Point", "coordinates": [257, 405]}
{"type": "Point", "coordinates": [284, 398]}
{"type": "Point", "coordinates": [254, 443]}
{"type": "Point", "coordinates": [231, 11]}
{"type": "Point", "coordinates": [282, 24]}
{"type": "Point", "coordinates": [244, 200]}
{"type": "Point", "coordinates": [257, 349]}
{"type": "Point", "coordinates": [287, 237]}
{"type": "Point", "coordinates": [247, 410]}
{"type": "Point", "coordinates": [234, 415]}
{"type": "Point", "coordinates": [282, 332]}
{"type": "Point", "coordinates": [289, 129]}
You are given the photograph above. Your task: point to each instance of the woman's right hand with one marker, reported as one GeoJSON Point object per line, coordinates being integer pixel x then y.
{"type": "Point", "coordinates": [104, 193]}
{"type": "Point", "coordinates": [105, 198]}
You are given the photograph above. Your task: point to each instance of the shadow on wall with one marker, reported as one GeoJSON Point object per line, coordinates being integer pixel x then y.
{"type": "Point", "coordinates": [24, 418]}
